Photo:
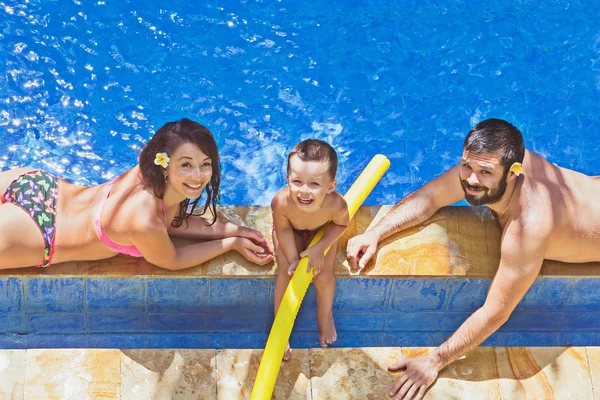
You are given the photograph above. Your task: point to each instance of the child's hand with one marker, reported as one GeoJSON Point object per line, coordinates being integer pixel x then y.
{"type": "Point", "coordinates": [316, 259]}
{"type": "Point", "coordinates": [293, 266]}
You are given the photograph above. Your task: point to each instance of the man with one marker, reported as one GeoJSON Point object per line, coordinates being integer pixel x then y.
{"type": "Point", "coordinates": [545, 212]}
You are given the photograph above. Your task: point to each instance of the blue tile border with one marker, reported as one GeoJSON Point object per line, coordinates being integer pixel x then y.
{"type": "Point", "coordinates": [547, 294]}
{"type": "Point", "coordinates": [238, 295]}
{"type": "Point", "coordinates": [116, 295]}
{"type": "Point", "coordinates": [579, 338]}
{"type": "Point", "coordinates": [228, 340]}
{"type": "Point", "coordinates": [11, 295]}
{"type": "Point", "coordinates": [116, 341]}
{"type": "Point", "coordinates": [176, 341]}
{"type": "Point", "coordinates": [56, 341]}
{"type": "Point", "coordinates": [211, 312]}
{"type": "Point", "coordinates": [47, 295]}
{"type": "Point", "coordinates": [102, 323]}
{"type": "Point", "coordinates": [12, 341]}
{"type": "Point", "coordinates": [414, 322]}
{"type": "Point", "coordinates": [468, 294]}
{"type": "Point", "coordinates": [416, 295]}
{"type": "Point", "coordinates": [585, 295]}
{"type": "Point", "coordinates": [177, 323]}
{"type": "Point", "coordinates": [177, 295]}
{"type": "Point", "coordinates": [580, 322]}
{"type": "Point", "coordinates": [56, 323]}
{"type": "Point", "coordinates": [413, 339]}
{"type": "Point", "coordinates": [13, 323]}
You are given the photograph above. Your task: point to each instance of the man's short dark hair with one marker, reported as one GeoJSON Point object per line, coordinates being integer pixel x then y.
{"type": "Point", "coordinates": [498, 137]}
{"type": "Point", "coordinates": [315, 150]}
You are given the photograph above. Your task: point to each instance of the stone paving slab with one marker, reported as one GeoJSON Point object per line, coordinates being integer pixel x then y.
{"type": "Point", "coordinates": [316, 374]}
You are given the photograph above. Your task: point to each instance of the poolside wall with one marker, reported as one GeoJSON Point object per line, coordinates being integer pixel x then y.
{"type": "Point", "coordinates": [424, 283]}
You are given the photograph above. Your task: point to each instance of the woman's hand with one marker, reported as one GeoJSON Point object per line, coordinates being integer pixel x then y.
{"type": "Point", "coordinates": [252, 251]}
{"type": "Point", "coordinates": [258, 238]}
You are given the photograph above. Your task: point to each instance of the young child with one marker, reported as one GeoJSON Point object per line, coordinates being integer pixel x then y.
{"type": "Point", "coordinates": [307, 203]}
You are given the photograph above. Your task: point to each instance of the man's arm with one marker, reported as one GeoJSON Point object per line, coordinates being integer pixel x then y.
{"type": "Point", "coordinates": [522, 254]}
{"type": "Point", "coordinates": [412, 210]}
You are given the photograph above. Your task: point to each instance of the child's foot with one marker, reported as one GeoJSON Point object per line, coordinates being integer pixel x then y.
{"type": "Point", "coordinates": [288, 353]}
{"type": "Point", "coordinates": [327, 333]}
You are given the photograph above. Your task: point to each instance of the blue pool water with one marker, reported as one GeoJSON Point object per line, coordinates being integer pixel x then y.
{"type": "Point", "coordinates": [84, 84]}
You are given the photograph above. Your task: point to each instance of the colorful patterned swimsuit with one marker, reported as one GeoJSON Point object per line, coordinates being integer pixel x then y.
{"type": "Point", "coordinates": [36, 193]}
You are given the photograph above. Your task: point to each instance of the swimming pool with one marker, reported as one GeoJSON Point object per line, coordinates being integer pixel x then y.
{"type": "Point", "coordinates": [84, 85]}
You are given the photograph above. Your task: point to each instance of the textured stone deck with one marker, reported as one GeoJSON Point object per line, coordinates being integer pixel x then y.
{"type": "Point", "coordinates": [360, 373]}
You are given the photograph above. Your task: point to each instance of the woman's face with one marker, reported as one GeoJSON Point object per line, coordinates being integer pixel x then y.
{"type": "Point", "coordinates": [189, 171]}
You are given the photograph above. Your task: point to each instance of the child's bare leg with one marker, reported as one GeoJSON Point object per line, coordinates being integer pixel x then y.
{"type": "Point", "coordinates": [325, 287]}
{"type": "Point", "coordinates": [281, 283]}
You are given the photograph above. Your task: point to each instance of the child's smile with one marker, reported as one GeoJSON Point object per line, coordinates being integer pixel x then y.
{"type": "Point", "coordinates": [309, 183]}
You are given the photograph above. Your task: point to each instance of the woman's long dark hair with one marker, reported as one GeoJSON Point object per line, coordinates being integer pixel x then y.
{"type": "Point", "coordinates": [170, 136]}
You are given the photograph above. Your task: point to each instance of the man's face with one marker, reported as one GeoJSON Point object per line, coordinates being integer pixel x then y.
{"type": "Point", "coordinates": [482, 178]}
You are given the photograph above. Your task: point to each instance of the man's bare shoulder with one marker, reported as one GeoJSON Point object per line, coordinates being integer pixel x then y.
{"type": "Point", "coordinates": [531, 221]}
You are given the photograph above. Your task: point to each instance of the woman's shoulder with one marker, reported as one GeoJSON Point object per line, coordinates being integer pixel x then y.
{"type": "Point", "coordinates": [140, 206]}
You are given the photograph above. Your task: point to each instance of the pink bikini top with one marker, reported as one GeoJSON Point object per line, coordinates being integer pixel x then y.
{"type": "Point", "coordinates": [127, 250]}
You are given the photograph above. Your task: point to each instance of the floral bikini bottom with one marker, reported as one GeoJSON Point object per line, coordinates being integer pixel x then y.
{"type": "Point", "coordinates": [36, 193]}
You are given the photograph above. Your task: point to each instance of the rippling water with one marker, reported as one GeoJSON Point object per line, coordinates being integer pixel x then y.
{"type": "Point", "coordinates": [84, 84]}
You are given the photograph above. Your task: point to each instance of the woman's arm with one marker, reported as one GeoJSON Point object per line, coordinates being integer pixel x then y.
{"type": "Point", "coordinates": [156, 247]}
{"type": "Point", "coordinates": [197, 227]}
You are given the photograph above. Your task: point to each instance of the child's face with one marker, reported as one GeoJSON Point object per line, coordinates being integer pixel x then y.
{"type": "Point", "coordinates": [309, 183]}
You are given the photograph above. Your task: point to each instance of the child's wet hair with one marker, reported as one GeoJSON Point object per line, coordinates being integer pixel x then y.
{"type": "Point", "coordinates": [168, 138]}
{"type": "Point", "coordinates": [316, 150]}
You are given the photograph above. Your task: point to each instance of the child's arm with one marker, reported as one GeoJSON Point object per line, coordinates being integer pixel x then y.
{"type": "Point", "coordinates": [334, 230]}
{"type": "Point", "coordinates": [284, 230]}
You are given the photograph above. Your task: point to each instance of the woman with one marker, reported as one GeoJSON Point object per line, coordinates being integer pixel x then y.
{"type": "Point", "coordinates": [44, 219]}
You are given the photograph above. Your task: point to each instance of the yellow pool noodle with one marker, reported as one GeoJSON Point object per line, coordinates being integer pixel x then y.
{"type": "Point", "coordinates": [294, 294]}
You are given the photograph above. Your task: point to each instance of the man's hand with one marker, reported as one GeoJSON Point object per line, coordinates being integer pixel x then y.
{"type": "Point", "coordinates": [252, 251]}
{"type": "Point", "coordinates": [360, 250]}
{"type": "Point", "coordinates": [316, 259]}
{"type": "Point", "coordinates": [420, 373]}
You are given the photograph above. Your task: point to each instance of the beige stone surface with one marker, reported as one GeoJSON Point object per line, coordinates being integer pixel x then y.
{"type": "Point", "coordinates": [12, 377]}
{"type": "Point", "coordinates": [471, 243]}
{"type": "Point", "coordinates": [119, 265]}
{"type": "Point", "coordinates": [168, 374]}
{"type": "Point", "coordinates": [72, 374]}
{"type": "Point", "coordinates": [543, 373]}
{"type": "Point", "coordinates": [474, 376]}
{"type": "Point", "coordinates": [362, 373]}
{"type": "Point", "coordinates": [237, 371]}
{"type": "Point", "coordinates": [593, 358]}
{"type": "Point", "coordinates": [358, 374]}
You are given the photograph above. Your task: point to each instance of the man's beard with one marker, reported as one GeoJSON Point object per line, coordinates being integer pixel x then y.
{"type": "Point", "coordinates": [488, 195]}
